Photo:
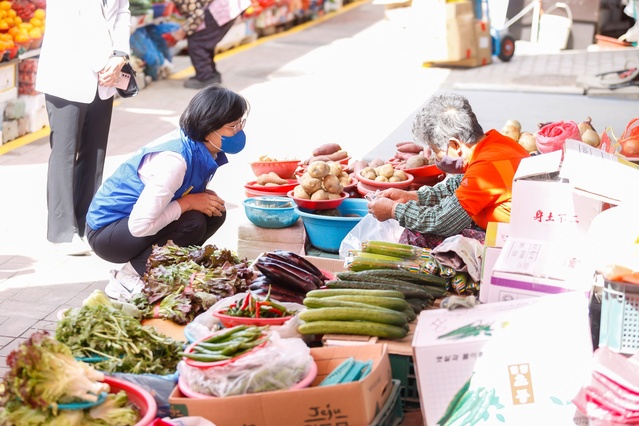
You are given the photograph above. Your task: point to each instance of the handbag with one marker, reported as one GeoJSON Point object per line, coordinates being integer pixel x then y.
{"type": "Point", "coordinates": [132, 87]}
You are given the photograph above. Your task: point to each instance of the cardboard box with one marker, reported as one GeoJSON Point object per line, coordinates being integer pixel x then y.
{"type": "Point", "coordinates": [533, 353]}
{"type": "Point", "coordinates": [352, 404]}
{"type": "Point", "coordinates": [444, 31]}
{"type": "Point", "coordinates": [482, 53]}
{"type": "Point", "coordinates": [496, 236]}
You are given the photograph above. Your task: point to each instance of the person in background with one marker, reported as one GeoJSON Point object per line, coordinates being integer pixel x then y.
{"type": "Point", "coordinates": [206, 23]}
{"type": "Point", "coordinates": [161, 193]}
{"type": "Point", "coordinates": [481, 168]}
{"type": "Point", "coordinates": [85, 45]}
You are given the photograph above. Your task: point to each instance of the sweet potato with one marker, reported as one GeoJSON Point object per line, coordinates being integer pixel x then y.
{"type": "Point", "coordinates": [410, 147]}
{"type": "Point", "coordinates": [270, 178]}
{"type": "Point", "coordinates": [326, 149]}
{"type": "Point", "coordinates": [338, 155]}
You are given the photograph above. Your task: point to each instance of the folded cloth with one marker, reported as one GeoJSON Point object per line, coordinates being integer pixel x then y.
{"type": "Point", "coordinates": [462, 254]}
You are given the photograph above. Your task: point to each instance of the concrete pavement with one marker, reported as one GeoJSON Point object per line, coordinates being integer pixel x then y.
{"type": "Point", "coordinates": [352, 77]}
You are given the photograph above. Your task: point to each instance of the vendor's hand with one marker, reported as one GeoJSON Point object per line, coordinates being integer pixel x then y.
{"type": "Point", "coordinates": [110, 74]}
{"type": "Point", "coordinates": [206, 202]}
{"type": "Point", "coordinates": [398, 195]}
{"type": "Point", "coordinates": [382, 209]}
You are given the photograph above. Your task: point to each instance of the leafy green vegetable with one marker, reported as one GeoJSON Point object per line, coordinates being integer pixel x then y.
{"type": "Point", "coordinates": [43, 372]}
{"type": "Point", "coordinates": [182, 282]}
{"type": "Point", "coordinates": [126, 345]}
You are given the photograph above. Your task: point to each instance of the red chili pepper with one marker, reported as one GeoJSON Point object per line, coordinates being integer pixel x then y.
{"type": "Point", "coordinates": [276, 311]}
{"type": "Point", "coordinates": [246, 301]}
{"type": "Point", "coordinates": [257, 309]}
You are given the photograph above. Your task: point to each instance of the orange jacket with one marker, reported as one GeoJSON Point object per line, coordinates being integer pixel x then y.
{"type": "Point", "coordinates": [486, 189]}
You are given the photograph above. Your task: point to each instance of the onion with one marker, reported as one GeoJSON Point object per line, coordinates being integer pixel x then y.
{"type": "Point", "coordinates": [527, 140]}
{"type": "Point", "coordinates": [513, 123]}
{"type": "Point", "coordinates": [629, 147]}
{"type": "Point", "coordinates": [591, 137]}
{"type": "Point", "coordinates": [585, 125]}
{"type": "Point", "coordinates": [511, 131]}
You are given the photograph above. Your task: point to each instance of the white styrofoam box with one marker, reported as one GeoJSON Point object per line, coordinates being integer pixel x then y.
{"type": "Point", "coordinates": [7, 95]}
{"type": "Point", "coordinates": [532, 355]}
{"type": "Point", "coordinates": [8, 76]}
{"type": "Point", "coordinates": [9, 130]}
{"type": "Point", "coordinates": [34, 102]}
{"type": "Point", "coordinates": [37, 119]}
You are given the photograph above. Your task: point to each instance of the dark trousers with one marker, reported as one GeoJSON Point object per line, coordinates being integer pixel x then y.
{"type": "Point", "coordinates": [201, 46]}
{"type": "Point", "coordinates": [78, 140]}
{"type": "Point", "coordinates": [114, 243]}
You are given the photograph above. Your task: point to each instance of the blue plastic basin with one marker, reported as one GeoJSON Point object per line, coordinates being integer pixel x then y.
{"type": "Point", "coordinates": [327, 232]}
{"type": "Point", "coordinates": [271, 212]}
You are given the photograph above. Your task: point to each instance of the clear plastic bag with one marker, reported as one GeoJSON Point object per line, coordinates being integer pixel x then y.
{"type": "Point", "coordinates": [279, 365]}
{"type": "Point", "coordinates": [369, 229]}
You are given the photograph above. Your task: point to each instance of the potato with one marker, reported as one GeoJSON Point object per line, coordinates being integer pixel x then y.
{"type": "Point", "coordinates": [370, 175]}
{"type": "Point", "coordinates": [416, 161]}
{"type": "Point", "coordinates": [331, 184]}
{"type": "Point", "coordinates": [400, 175]}
{"type": "Point", "coordinates": [310, 184]}
{"type": "Point", "coordinates": [386, 170]}
{"type": "Point", "coordinates": [334, 196]}
{"type": "Point", "coordinates": [381, 178]}
{"type": "Point", "coordinates": [336, 168]}
{"type": "Point", "coordinates": [345, 180]}
{"type": "Point", "coordinates": [320, 194]}
{"type": "Point", "coordinates": [318, 169]}
{"type": "Point", "coordinates": [299, 192]}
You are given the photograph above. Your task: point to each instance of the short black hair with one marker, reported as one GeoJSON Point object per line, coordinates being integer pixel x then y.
{"type": "Point", "coordinates": [210, 109]}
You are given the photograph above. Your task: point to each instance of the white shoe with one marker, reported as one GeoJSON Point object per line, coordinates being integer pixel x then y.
{"type": "Point", "coordinates": [124, 284]}
{"type": "Point", "coordinates": [77, 247]}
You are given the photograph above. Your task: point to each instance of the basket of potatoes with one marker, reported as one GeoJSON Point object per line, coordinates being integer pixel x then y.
{"type": "Point", "coordinates": [384, 177]}
{"type": "Point", "coordinates": [321, 186]}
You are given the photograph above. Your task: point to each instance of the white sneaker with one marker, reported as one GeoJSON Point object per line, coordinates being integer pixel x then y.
{"type": "Point", "coordinates": [77, 247]}
{"type": "Point", "coordinates": [124, 284]}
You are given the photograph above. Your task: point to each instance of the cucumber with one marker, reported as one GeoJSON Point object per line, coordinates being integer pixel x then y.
{"type": "Point", "coordinates": [329, 302]}
{"type": "Point", "coordinates": [365, 328]}
{"type": "Point", "coordinates": [407, 289]}
{"type": "Point", "coordinates": [414, 277]}
{"type": "Point", "coordinates": [394, 303]}
{"type": "Point", "coordinates": [354, 291]}
{"type": "Point", "coordinates": [354, 314]}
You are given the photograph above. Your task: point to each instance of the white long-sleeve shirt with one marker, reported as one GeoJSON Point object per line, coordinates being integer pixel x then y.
{"type": "Point", "coordinates": [162, 174]}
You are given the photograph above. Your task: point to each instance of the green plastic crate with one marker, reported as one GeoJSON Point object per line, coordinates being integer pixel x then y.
{"type": "Point", "coordinates": [403, 369]}
{"type": "Point", "coordinates": [392, 412]}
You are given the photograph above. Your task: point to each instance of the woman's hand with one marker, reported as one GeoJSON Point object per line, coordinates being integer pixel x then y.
{"type": "Point", "coordinates": [382, 208]}
{"type": "Point", "coordinates": [206, 202]}
{"type": "Point", "coordinates": [399, 195]}
{"type": "Point", "coordinates": [110, 74]}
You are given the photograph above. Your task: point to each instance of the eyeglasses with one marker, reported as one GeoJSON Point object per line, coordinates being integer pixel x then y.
{"type": "Point", "coordinates": [238, 126]}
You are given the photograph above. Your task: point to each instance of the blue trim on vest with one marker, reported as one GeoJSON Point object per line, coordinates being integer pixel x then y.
{"type": "Point", "coordinates": [119, 193]}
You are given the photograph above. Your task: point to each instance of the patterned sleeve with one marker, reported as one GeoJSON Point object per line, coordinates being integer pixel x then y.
{"type": "Point", "coordinates": [193, 12]}
{"type": "Point", "coordinates": [437, 212]}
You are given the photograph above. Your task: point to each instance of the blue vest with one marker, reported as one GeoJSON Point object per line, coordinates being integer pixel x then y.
{"type": "Point", "coordinates": [117, 195]}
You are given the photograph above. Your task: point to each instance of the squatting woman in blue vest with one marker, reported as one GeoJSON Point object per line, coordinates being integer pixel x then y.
{"type": "Point", "coordinates": [160, 193]}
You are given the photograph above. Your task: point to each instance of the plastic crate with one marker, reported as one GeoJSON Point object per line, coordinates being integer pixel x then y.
{"type": "Point", "coordinates": [619, 327]}
{"type": "Point", "coordinates": [391, 413]}
{"type": "Point", "coordinates": [403, 369]}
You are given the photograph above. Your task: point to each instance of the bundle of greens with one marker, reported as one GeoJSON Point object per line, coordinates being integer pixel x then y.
{"type": "Point", "coordinates": [121, 342]}
{"type": "Point", "coordinates": [183, 282]}
{"type": "Point", "coordinates": [43, 373]}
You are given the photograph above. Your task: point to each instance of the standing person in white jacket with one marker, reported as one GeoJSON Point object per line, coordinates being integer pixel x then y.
{"type": "Point", "coordinates": [85, 45]}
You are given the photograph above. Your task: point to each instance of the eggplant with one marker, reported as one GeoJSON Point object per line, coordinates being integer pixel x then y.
{"type": "Point", "coordinates": [278, 270]}
{"type": "Point", "coordinates": [300, 262]}
{"type": "Point", "coordinates": [287, 275]}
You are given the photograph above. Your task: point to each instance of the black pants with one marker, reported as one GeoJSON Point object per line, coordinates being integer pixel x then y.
{"type": "Point", "coordinates": [78, 139]}
{"type": "Point", "coordinates": [114, 243]}
{"type": "Point", "coordinates": [201, 46]}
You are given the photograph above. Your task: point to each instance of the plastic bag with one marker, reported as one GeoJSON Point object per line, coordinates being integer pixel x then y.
{"type": "Point", "coordinates": [279, 365]}
{"type": "Point", "coordinates": [370, 229]}
{"type": "Point", "coordinates": [552, 136]}
{"type": "Point", "coordinates": [158, 386]}
{"type": "Point", "coordinates": [205, 323]}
